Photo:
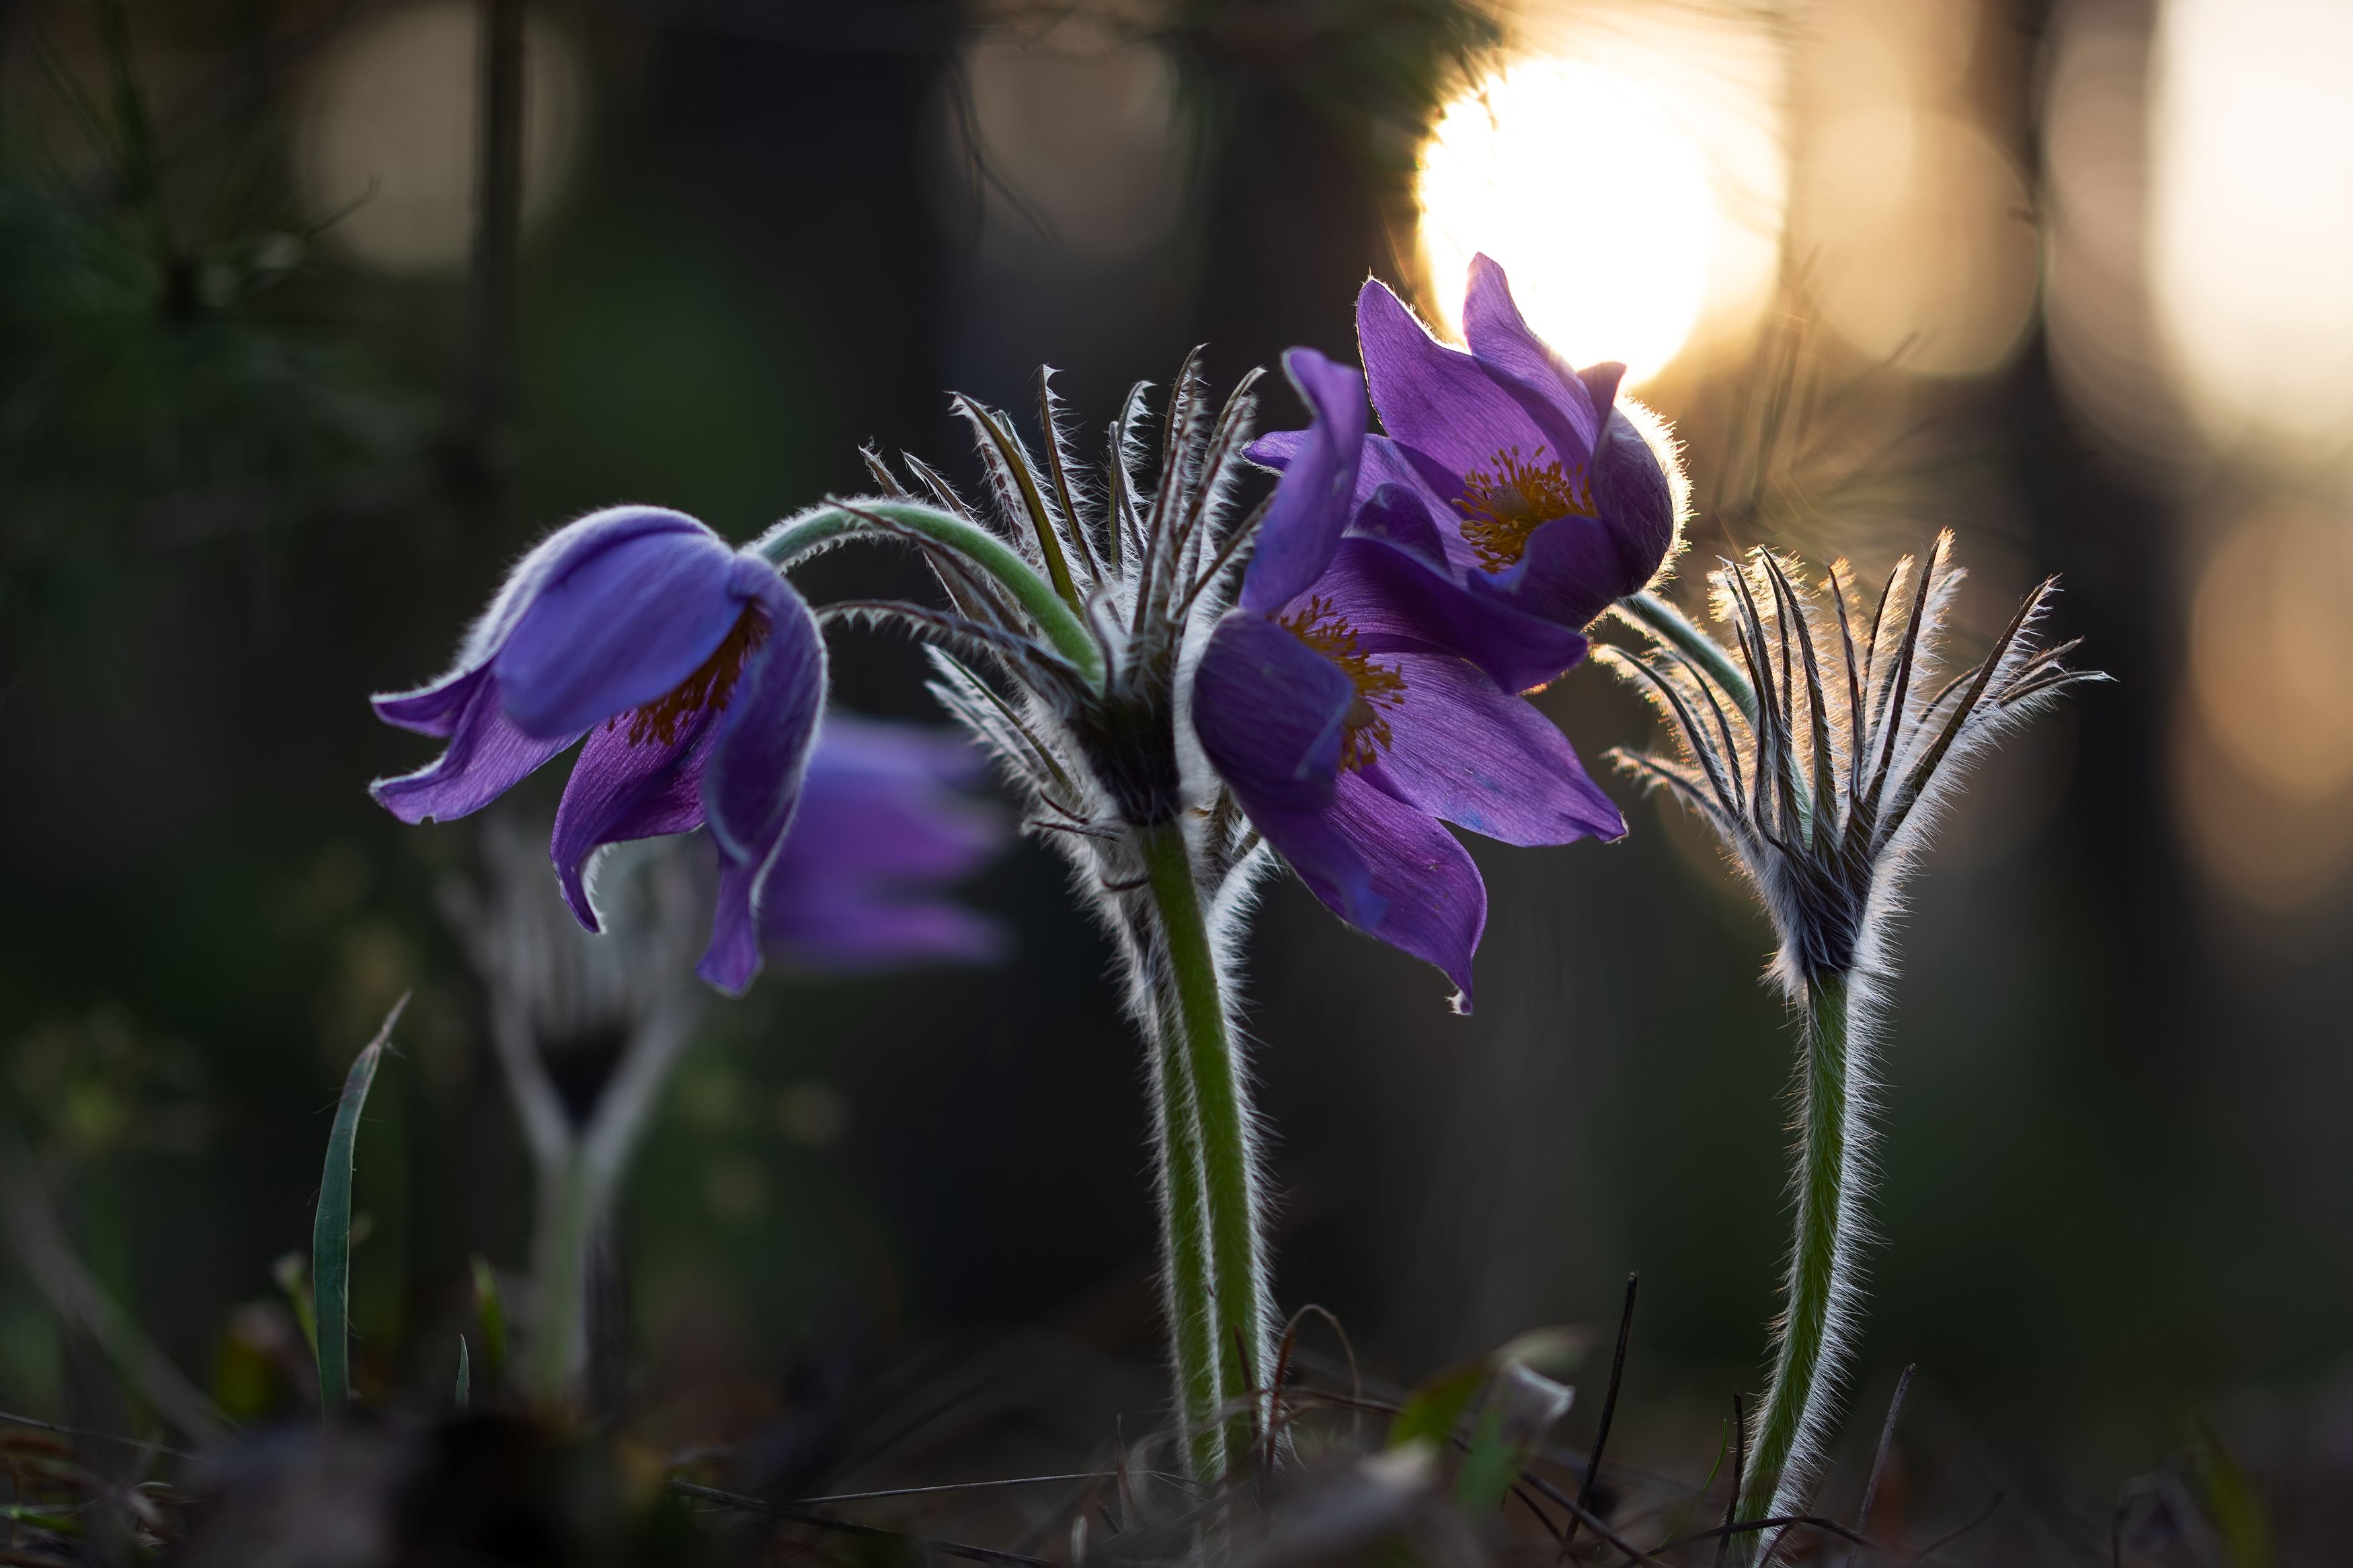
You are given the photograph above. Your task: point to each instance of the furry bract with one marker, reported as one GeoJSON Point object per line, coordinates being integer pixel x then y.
{"type": "Point", "coordinates": [1819, 746]}
{"type": "Point", "coordinates": [1551, 497]}
{"type": "Point", "coordinates": [694, 672]}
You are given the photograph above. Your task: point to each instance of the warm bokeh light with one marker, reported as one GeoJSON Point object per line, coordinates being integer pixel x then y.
{"type": "Point", "coordinates": [2265, 766]}
{"type": "Point", "coordinates": [1599, 206]}
{"type": "Point", "coordinates": [1078, 137]}
{"type": "Point", "coordinates": [388, 134]}
{"type": "Point", "coordinates": [2096, 307]}
{"type": "Point", "coordinates": [1923, 247]}
{"type": "Point", "coordinates": [2271, 648]}
{"type": "Point", "coordinates": [2251, 237]}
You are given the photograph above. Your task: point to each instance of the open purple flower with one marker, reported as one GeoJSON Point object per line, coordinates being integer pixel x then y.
{"type": "Point", "coordinates": [880, 828]}
{"type": "Point", "coordinates": [1352, 703]}
{"type": "Point", "coordinates": [695, 671]}
{"type": "Point", "coordinates": [1553, 499]}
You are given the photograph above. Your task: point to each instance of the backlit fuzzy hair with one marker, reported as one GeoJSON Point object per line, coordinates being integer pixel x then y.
{"type": "Point", "coordinates": [1152, 553]}
{"type": "Point", "coordinates": [1821, 745]}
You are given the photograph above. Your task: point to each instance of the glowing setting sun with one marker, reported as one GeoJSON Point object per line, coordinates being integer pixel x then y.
{"type": "Point", "coordinates": [1594, 201]}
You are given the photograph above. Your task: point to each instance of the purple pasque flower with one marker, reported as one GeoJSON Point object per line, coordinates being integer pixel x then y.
{"type": "Point", "coordinates": [880, 829]}
{"type": "Point", "coordinates": [1553, 498]}
{"type": "Point", "coordinates": [695, 671]}
{"type": "Point", "coordinates": [1357, 698]}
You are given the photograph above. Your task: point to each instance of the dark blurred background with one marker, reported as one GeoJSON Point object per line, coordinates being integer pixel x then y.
{"type": "Point", "coordinates": [2068, 278]}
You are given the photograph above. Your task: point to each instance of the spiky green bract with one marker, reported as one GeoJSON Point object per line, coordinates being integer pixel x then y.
{"type": "Point", "coordinates": [1096, 737]}
{"type": "Point", "coordinates": [331, 1229]}
{"type": "Point", "coordinates": [1819, 745]}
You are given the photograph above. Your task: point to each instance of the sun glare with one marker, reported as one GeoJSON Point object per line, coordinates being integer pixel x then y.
{"type": "Point", "coordinates": [1594, 200]}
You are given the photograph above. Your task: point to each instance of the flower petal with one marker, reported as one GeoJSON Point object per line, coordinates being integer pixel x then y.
{"type": "Point", "coordinates": [1310, 506]}
{"type": "Point", "coordinates": [1436, 399]}
{"type": "Point", "coordinates": [433, 710]}
{"type": "Point", "coordinates": [1433, 904]}
{"type": "Point", "coordinates": [621, 790]}
{"type": "Point", "coordinates": [618, 628]}
{"type": "Point", "coordinates": [765, 735]}
{"type": "Point", "coordinates": [1271, 713]}
{"type": "Point", "coordinates": [1556, 396]}
{"type": "Point", "coordinates": [844, 926]}
{"type": "Point", "coordinates": [1464, 751]}
{"type": "Point", "coordinates": [1398, 515]}
{"type": "Point", "coordinates": [876, 806]}
{"type": "Point", "coordinates": [487, 756]}
{"type": "Point", "coordinates": [1575, 568]}
{"type": "Point", "coordinates": [1396, 603]}
{"type": "Point", "coordinates": [1635, 477]}
{"type": "Point", "coordinates": [733, 959]}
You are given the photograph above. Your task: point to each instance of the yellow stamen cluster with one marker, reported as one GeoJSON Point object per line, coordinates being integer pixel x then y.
{"type": "Point", "coordinates": [1379, 685]}
{"type": "Point", "coordinates": [1504, 504]}
{"type": "Point", "coordinates": [664, 720]}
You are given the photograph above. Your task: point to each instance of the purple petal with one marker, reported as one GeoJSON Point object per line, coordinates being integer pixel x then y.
{"type": "Point", "coordinates": [885, 814]}
{"type": "Point", "coordinates": [1396, 603]}
{"type": "Point", "coordinates": [1574, 569]}
{"type": "Point", "coordinates": [621, 790]}
{"type": "Point", "coordinates": [487, 756]}
{"type": "Point", "coordinates": [764, 737]}
{"type": "Point", "coordinates": [1310, 505]}
{"type": "Point", "coordinates": [1384, 462]}
{"type": "Point", "coordinates": [433, 710]}
{"type": "Point", "coordinates": [1632, 489]}
{"type": "Point", "coordinates": [618, 628]}
{"type": "Point", "coordinates": [1554, 395]}
{"type": "Point", "coordinates": [876, 830]}
{"type": "Point", "coordinates": [1326, 859]}
{"type": "Point", "coordinates": [1398, 515]}
{"type": "Point", "coordinates": [1432, 903]}
{"type": "Point", "coordinates": [1438, 400]}
{"type": "Point", "coordinates": [1506, 346]}
{"type": "Point", "coordinates": [850, 929]}
{"type": "Point", "coordinates": [1600, 382]}
{"type": "Point", "coordinates": [884, 748]}
{"type": "Point", "coordinates": [1271, 713]}
{"type": "Point", "coordinates": [733, 959]}
{"type": "Point", "coordinates": [1464, 751]}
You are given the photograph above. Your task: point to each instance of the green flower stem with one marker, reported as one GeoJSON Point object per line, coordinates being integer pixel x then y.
{"type": "Point", "coordinates": [1184, 1245]}
{"type": "Point", "coordinates": [1228, 1182]}
{"type": "Point", "coordinates": [1655, 614]}
{"type": "Point", "coordinates": [560, 1273]}
{"type": "Point", "coordinates": [795, 538]}
{"type": "Point", "coordinates": [1792, 1421]}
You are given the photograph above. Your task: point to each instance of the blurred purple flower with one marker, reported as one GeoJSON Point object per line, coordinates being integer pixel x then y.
{"type": "Point", "coordinates": [1554, 500]}
{"type": "Point", "coordinates": [880, 828]}
{"type": "Point", "coordinates": [1359, 697]}
{"type": "Point", "coordinates": [695, 671]}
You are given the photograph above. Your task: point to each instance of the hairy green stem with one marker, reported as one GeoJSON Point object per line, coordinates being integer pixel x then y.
{"type": "Point", "coordinates": [795, 538]}
{"type": "Point", "coordinates": [560, 1272]}
{"type": "Point", "coordinates": [1185, 1249]}
{"type": "Point", "coordinates": [1228, 1179]}
{"type": "Point", "coordinates": [1670, 625]}
{"type": "Point", "coordinates": [1793, 1420]}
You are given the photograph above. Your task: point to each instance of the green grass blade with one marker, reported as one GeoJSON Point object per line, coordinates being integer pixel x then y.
{"type": "Point", "coordinates": [489, 1310]}
{"type": "Point", "coordinates": [293, 1278]}
{"type": "Point", "coordinates": [331, 1233]}
{"type": "Point", "coordinates": [464, 1376]}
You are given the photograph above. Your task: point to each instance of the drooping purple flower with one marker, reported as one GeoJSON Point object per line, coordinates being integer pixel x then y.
{"type": "Point", "coordinates": [881, 828]}
{"type": "Point", "coordinates": [1552, 497]}
{"type": "Point", "coordinates": [695, 671]}
{"type": "Point", "coordinates": [1359, 697]}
